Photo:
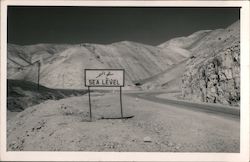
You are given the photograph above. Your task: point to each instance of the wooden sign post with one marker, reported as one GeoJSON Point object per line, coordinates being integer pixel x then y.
{"type": "Point", "coordinates": [121, 101]}
{"type": "Point", "coordinates": [105, 78]}
{"type": "Point", "coordinates": [38, 75]}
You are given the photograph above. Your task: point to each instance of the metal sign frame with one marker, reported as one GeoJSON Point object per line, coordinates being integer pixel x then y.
{"type": "Point", "coordinates": [90, 111]}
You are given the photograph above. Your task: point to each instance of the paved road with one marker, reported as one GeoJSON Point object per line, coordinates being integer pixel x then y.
{"type": "Point", "coordinates": [220, 110]}
{"type": "Point", "coordinates": [192, 126]}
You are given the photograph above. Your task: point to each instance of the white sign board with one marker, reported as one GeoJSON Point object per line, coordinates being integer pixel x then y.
{"type": "Point", "coordinates": [104, 77]}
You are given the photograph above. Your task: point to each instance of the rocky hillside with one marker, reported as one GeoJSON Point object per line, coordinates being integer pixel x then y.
{"type": "Point", "coordinates": [170, 79]}
{"type": "Point", "coordinates": [211, 71]}
{"type": "Point", "coordinates": [63, 65]}
{"type": "Point", "coordinates": [204, 66]}
{"type": "Point", "coordinates": [212, 74]}
{"type": "Point", "coordinates": [20, 57]}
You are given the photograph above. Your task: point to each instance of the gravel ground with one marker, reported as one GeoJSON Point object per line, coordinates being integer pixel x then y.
{"type": "Point", "coordinates": [64, 125]}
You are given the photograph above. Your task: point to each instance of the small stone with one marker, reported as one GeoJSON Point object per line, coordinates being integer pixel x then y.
{"type": "Point", "coordinates": [170, 144]}
{"type": "Point", "coordinates": [147, 139]}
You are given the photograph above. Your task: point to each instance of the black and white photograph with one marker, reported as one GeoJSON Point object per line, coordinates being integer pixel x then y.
{"type": "Point", "coordinates": [149, 79]}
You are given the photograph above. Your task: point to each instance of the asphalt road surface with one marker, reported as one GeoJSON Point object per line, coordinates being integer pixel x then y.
{"type": "Point", "coordinates": [197, 127]}
{"type": "Point", "coordinates": [224, 111]}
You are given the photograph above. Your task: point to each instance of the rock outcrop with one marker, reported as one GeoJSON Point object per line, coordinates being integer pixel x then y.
{"type": "Point", "coordinates": [213, 73]}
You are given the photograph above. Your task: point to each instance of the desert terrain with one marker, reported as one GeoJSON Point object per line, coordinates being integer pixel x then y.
{"type": "Point", "coordinates": [64, 125]}
{"type": "Point", "coordinates": [184, 96]}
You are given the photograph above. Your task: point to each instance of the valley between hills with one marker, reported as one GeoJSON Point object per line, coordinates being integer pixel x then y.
{"type": "Point", "coordinates": [184, 95]}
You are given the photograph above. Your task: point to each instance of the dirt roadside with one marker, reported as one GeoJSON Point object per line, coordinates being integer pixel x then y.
{"type": "Point", "coordinates": [63, 126]}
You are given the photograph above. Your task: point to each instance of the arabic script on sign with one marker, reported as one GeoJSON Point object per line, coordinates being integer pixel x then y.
{"type": "Point", "coordinates": [104, 78]}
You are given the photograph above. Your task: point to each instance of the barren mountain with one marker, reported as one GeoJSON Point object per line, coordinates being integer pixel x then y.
{"type": "Point", "coordinates": [185, 42]}
{"type": "Point", "coordinates": [20, 57]}
{"type": "Point", "coordinates": [203, 66]}
{"type": "Point", "coordinates": [63, 66]}
{"type": "Point", "coordinates": [170, 79]}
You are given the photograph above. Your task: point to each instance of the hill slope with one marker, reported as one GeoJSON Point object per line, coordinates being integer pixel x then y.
{"type": "Point", "coordinates": [204, 66]}
{"type": "Point", "coordinates": [64, 68]}
{"type": "Point", "coordinates": [23, 94]}
{"type": "Point", "coordinates": [211, 73]}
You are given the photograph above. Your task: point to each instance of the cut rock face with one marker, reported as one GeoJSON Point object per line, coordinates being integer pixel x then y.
{"type": "Point", "coordinates": [213, 75]}
{"type": "Point", "coordinates": [215, 80]}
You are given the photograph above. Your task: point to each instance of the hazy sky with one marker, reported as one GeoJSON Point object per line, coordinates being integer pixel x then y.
{"type": "Point", "coordinates": [31, 25]}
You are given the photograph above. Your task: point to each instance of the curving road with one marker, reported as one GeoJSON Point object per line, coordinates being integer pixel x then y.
{"type": "Point", "coordinates": [158, 125]}
{"type": "Point", "coordinates": [221, 110]}
{"type": "Point", "coordinates": [192, 126]}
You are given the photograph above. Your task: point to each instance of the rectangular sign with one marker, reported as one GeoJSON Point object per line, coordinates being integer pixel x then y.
{"type": "Point", "coordinates": [104, 77]}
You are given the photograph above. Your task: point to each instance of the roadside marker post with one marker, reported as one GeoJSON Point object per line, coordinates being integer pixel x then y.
{"type": "Point", "coordinates": [38, 75]}
{"type": "Point", "coordinates": [90, 112]}
{"type": "Point", "coordinates": [105, 78]}
{"type": "Point", "coordinates": [31, 64]}
{"type": "Point", "coordinates": [121, 101]}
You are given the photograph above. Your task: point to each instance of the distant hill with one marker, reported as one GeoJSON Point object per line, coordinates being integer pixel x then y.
{"type": "Point", "coordinates": [63, 65]}
{"type": "Point", "coordinates": [204, 66]}
{"type": "Point", "coordinates": [186, 42]}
